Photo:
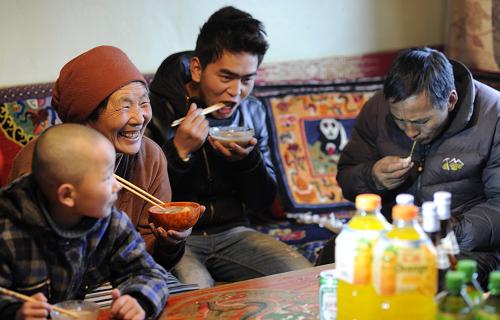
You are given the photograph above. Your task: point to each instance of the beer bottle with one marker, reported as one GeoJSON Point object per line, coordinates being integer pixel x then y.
{"type": "Point", "coordinates": [442, 200]}
{"type": "Point", "coordinates": [491, 307]}
{"type": "Point", "coordinates": [430, 224]}
{"type": "Point", "coordinates": [472, 287]}
{"type": "Point", "coordinates": [455, 304]}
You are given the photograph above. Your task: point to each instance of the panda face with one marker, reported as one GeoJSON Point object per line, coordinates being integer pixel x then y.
{"type": "Point", "coordinates": [330, 128]}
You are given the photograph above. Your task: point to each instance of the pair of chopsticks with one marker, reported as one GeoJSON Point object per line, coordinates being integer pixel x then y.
{"type": "Point", "coordinates": [139, 192]}
{"type": "Point", "coordinates": [23, 297]}
{"type": "Point", "coordinates": [205, 111]}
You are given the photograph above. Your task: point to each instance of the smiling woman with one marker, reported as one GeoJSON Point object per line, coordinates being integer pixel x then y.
{"type": "Point", "coordinates": [103, 89]}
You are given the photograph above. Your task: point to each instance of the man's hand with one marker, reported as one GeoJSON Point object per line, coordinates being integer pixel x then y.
{"type": "Point", "coordinates": [192, 132]}
{"type": "Point", "coordinates": [125, 307]}
{"type": "Point", "coordinates": [390, 172]}
{"type": "Point", "coordinates": [234, 152]}
{"type": "Point", "coordinates": [34, 310]}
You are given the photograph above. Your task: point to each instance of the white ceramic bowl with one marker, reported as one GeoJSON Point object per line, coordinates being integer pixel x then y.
{"type": "Point", "coordinates": [226, 135]}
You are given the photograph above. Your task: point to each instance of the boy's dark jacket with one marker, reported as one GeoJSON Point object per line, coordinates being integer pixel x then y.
{"type": "Point", "coordinates": [38, 256]}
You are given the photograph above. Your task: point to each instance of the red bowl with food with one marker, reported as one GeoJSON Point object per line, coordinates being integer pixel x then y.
{"type": "Point", "coordinates": [177, 216]}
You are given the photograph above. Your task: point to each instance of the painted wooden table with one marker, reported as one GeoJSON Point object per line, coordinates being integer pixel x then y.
{"type": "Point", "coordinates": [290, 295]}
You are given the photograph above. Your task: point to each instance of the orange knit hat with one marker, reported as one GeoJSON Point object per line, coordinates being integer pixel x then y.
{"type": "Point", "coordinates": [88, 79]}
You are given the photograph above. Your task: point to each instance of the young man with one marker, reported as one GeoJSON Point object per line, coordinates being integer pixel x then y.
{"type": "Point", "coordinates": [223, 67]}
{"type": "Point", "coordinates": [62, 236]}
{"type": "Point", "coordinates": [454, 121]}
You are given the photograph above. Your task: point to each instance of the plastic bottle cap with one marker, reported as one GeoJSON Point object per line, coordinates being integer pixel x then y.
{"type": "Point", "coordinates": [454, 280]}
{"type": "Point", "coordinates": [494, 282]}
{"type": "Point", "coordinates": [442, 197]}
{"type": "Point", "coordinates": [368, 202]}
{"type": "Point", "coordinates": [468, 267]}
{"type": "Point", "coordinates": [404, 212]}
{"type": "Point", "coordinates": [430, 221]}
{"type": "Point", "coordinates": [404, 198]}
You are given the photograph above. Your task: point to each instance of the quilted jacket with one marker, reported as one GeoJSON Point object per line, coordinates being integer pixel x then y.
{"type": "Point", "coordinates": [464, 159]}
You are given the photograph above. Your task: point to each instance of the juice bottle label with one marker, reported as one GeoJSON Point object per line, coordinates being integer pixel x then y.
{"type": "Point", "coordinates": [354, 255]}
{"type": "Point", "coordinates": [404, 267]}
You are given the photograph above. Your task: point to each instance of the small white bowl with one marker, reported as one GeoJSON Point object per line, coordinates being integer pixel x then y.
{"type": "Point", "coordinates": [225, 135]}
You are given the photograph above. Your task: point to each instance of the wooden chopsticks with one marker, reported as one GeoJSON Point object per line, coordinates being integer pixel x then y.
{"type": "Point", "coordinates": [412, 148]}
{"type": "Point", "coordinates": [23, 297]}
{"type": "Point", "coordinates": [139, 192]}
{"type": "Point", "coordinates": [205, 111]}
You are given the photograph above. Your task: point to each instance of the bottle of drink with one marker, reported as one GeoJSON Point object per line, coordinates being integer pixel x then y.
{"type": "Point", "coordinates": [431, 226]}
{"type": "Point", "coordinates": [491, 306]}
{"type": "Point", "coordinates": [442, 200]}
{"type": "Point", "coordinates": [404, 198]}
{"type": "Point", "coordinates": [472, 287]}
{"type": "Point", "coordinates": [404, 270]}
{"type": "Point", "coordinates": [353, 259]}
{"type": "Point", "coordinates": [455, 304]}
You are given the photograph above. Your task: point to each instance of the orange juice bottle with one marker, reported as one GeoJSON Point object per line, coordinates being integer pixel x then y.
{"type": "Point", "coordinates": [405, 270]}
{"type": "Point", "coordinates": [353, 259]}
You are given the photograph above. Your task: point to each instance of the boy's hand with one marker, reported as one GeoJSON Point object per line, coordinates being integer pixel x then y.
{"type": "Point", "coordinates": [32, 310]}
{"type": "Point", "coordinates": [234, 152]}
{"type": "Point", "coordinates": [125, 307]}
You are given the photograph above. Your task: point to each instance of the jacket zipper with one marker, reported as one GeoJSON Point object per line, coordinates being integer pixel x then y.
{"type": "Point", "coordinates": [420, 169]}
{"type": "Point", "coordinates": [209, 177]}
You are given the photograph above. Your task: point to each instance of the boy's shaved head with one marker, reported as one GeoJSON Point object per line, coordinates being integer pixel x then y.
{"type": "Point", "coordinates": [64, 153]}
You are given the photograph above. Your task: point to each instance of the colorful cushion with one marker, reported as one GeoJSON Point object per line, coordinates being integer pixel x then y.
{"type": "Point", "coordinates": [309, 127]}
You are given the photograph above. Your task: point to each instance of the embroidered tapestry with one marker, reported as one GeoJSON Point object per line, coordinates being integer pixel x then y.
{"type": "Point", "coordinates": [309, 128]}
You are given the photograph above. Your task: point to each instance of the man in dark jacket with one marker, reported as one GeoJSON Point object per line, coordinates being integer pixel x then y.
{"type": "Point", "coordinates": [227, 180]}
{"type": "Point", "coordinates": [455, 123]}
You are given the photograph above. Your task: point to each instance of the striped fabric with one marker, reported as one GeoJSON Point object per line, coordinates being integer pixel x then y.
{"type": "Point", "coordinates": [102, 294]}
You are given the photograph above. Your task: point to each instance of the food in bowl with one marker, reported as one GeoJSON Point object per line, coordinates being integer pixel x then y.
{"type": "Point", "coordinates": [225, 135]}
{"type": "Point", "coordinates": [86, 310]}
{"type": "Point", "coordinates": [177, 216]}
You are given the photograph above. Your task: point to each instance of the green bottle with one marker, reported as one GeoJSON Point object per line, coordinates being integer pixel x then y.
{"type": "Point", "coordinates": [491, 306]}
{"type": "Point", "coordinates": [472, 287]}
{"type": "Point", "coordinates": [455, 304]}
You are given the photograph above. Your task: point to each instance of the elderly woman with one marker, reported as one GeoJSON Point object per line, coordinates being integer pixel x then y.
{"type": "Point", "coordinates": [102, 89]}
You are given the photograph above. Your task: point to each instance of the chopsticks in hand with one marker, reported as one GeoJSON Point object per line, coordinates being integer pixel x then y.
{"type": "Point", "coordinates": [24, 297]}
{"type": "Point", "coordinates": [205, 111]}
{"type": "Point", "coordinates": [139, 192]}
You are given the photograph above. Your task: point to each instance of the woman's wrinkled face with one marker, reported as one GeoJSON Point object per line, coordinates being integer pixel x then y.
{"type": "Point", "coordinates": [125, 117]}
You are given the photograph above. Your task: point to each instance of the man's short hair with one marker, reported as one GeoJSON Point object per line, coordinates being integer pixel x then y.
{"type": "Point", "coordinates": [232, 30]}
{"type": "Point", "coordinates": [420, 70]}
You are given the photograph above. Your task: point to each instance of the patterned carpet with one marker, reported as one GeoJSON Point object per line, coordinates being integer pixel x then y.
{"type": "Point", "coordinates": [308, 238]}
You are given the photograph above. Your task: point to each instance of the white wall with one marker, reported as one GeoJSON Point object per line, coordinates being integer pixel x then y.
{"type": "Point", "coordinates": [38, 37]}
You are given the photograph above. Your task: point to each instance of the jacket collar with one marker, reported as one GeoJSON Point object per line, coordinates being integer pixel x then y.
{"type": "Point", "coordinates": [462, 114]}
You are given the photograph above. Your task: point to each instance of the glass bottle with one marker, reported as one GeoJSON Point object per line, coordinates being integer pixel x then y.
{"type": "Point", "coordinates": [455, 304]}
{"type": "Point", "coordinates": [442, 200]}
{"type": "Point", "coordinates": [491, 306]}
{"type": "Point", "coordinates": [431, 226]}
{"type": "Point", "coordinates": [474, 290]}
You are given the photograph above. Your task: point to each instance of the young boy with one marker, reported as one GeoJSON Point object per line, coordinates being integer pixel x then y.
{"type": "Point", "coordinates": [61, 235]}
